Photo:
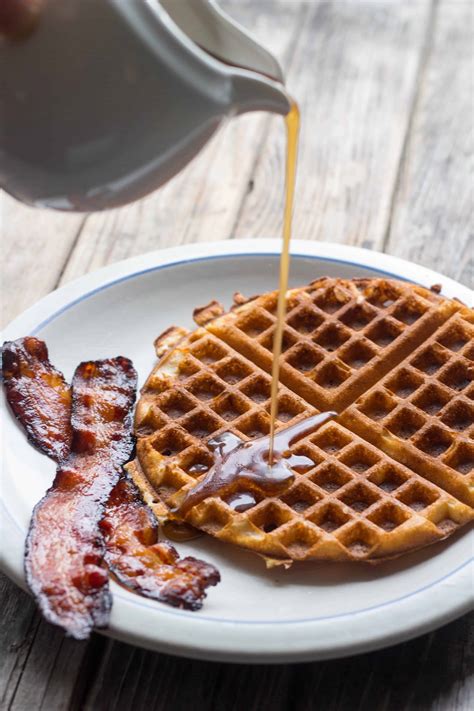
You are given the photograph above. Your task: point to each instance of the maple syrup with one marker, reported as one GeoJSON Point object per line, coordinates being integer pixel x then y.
{"type": "Point", "coordinates": [242, 468]}
{"type": "Point", "coordinates": [292, 121]}
{"type": "Point", "coordinates": [179, 531]}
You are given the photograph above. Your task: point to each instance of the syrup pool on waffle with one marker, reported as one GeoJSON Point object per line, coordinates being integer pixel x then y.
{"type": "Point", "coordinates": [244, 465]}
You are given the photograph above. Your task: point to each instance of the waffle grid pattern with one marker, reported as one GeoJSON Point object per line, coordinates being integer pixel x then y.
{"type": "Point", "coordinates": [427, 402]}
{"type": "Point", "coordinates": [354, 503]}
{"type": "Point", "coordinates": [340, 337]}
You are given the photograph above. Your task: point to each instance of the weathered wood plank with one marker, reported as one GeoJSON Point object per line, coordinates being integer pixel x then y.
{"type": "Point", "coordinates": [338, 177]}
{"type": "Point", "coordinates": [16, 631]}
{"type": "Point", "coordinates": [35, 246]}
{"type": "Point", "coordinates": [200, 204]}
{"type": "Point", "coordinates": [38, 666]}
{"type": "Point", "coordinates": [355, 76]}
{"type": "Point", "coordinates": [417, 675]}
{"type": "Point", "coordinates": [432, 672]}
{"type": "Point", "coordinates": [432, 214]}
{"type": "Point", "coordinates": [133, 678]}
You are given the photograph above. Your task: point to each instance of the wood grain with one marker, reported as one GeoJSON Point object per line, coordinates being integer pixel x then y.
{"type": "Point", "coordinates": [35, 247]}
{"type": "Point", "coordinates": [432, 214]}
{"type": "Point", "coordinates": [432, 672]}
{"type": "Point", "coordinates": [355, 76]}
{"type": "Point", "coordinates": [386, 91]}
{"type": "Point", "coordinates": [38, 665]}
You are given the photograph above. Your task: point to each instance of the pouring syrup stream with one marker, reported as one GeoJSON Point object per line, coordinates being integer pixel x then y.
{"type": "Point", "coordinates": [292, 121]}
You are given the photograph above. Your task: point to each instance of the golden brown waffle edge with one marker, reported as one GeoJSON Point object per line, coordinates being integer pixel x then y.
{"type": "Point", "coordinates": [343, 508]}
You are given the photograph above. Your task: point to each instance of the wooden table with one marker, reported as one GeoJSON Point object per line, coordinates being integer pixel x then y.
{"type": "Point", "coordinates": [386, 92]}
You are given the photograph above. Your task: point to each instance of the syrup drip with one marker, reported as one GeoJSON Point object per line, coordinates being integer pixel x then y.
{"type": "Point", "coordinates": [292, 121]}
{"type": "Point", "coordinates": [245, 464]}
{"type": "Point", "coordinates": [180, 532]}
{"type": "Point", "coordinates": [242, 502]}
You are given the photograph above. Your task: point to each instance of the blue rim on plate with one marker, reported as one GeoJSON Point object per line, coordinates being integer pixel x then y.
{"type": "Point", "coordinates": [87, 287]}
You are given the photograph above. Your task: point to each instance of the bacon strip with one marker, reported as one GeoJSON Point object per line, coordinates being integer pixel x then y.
{"type": "Point", "coordinates": [64, 559]}
{"type": "Point", "coordinates": [140, 562]}
{"type": "Point", "coordinates": [38, 395]}
{"type": "Point", "coordinates": [129, 527]}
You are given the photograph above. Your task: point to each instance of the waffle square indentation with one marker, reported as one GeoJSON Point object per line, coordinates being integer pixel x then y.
{"type": "Point", "coordinates": [257, 389]}
{"type": "Point", "coordinates": [358, 316]}
{"type": "Point", "coordinates": [359, 458]}
{"type": "Point", "coordinates": [232, 371]}
{"type": "Point", "coordinates": [431, 399]}
{"type": "Point", "coordinates": [176, 404]}
{"type": "Point", "coordinates": [404, 423]}
{"type": "Point", "coordinates": [431, 359]}
{"type": "Point", "coordinates": [359, 497]}
{"type": "Point", "coordinates": [455, 336]}
{"type": "Point", "coordinates": [288, 408]}
{"type": "Point", "coordinates": [459, 415]}
{"type": "Point", "coordinates": [254, 323]}
{"type": "Point", "coordinates": [458, 376]}
{"type": "Point", "coordinates": [303, 357]}
{"type": "Point", "coordinates": [388, 477]}
{"type": "Point", "coordinates": [330, 517]}
{"type": "Point", "coordinates": [332, 336]}
{"type": "Point", "coordinates": [305, 321]}
{"type": "Point", "coordinates": [331, 439]}
{"type": "Point", "coordinates": [388, 516]}
{"type": "Point", "coordinates": [301, 497]}
{"type": "Point", "coordinates": [377, 405]}
{"type": "Point", "coordinates": [404, 382]}
{"type": "Point", "coordinates": [196, 462]}
{"type": "Point", "coordinates": [201, 424]}
{"type": "Point", "coordinates": [254, 425]}
{"type": "Point", "coordinates": [357, 354]}
{"type": "Point", "coordinates": [205, 387]}
{"type": "Point", "coordinates": [409, 311]}
{"type": "Point", "coordinates": [331, 299]}
{"type": "Point", "coordinates": [270, 516]}
{"type": "Point", "coordinates": [359, 539]}
{"type": "Point", "coordinates": [434, 441]}
{"type": "Point", "coordinates": [330, 477]}
{"type": "Point", "coordinates": [230, 406]}
{"type": "Point", "coordinates": [384, 332]}
{"type": "Point", "coordinates": [331, 375]}
{"type": "Point", "coordinates": [418, 496]}
{"type": "Point", "coordinates": [170, 442]}
{"type": "Point", "coordinates": [462, 458]}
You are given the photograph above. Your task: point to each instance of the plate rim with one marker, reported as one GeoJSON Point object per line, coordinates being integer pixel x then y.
{"type": "Point", "coordinates": [249, 648]}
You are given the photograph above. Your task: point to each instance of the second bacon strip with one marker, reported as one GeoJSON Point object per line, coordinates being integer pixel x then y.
{"type": "Point", "coordinates": [64, 559]}
{"type": "Point", "coordinates": [130, 530]}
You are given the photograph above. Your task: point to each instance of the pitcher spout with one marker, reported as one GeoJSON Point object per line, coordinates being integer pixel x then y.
{"type": "Point", "coordinates": [253, 92]}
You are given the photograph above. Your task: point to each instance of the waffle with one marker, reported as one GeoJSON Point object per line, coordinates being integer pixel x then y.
{"type": "Point", "coordinates": [341, 336]}
{"type": "Point", "coordinates": [357, 501]}
{"type": "Point", "coordinates": [422, 413]}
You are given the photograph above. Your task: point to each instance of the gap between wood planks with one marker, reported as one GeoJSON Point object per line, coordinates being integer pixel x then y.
{"type": "Point", "coordinates": [432, 223]}
{"type": "Point", "coordinates": [32, 686]}
{"type": "Point", "coordinates": [425, 54]}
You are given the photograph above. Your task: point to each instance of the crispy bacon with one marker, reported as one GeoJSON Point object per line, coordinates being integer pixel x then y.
{"type": "Point", "coordinates": [38, 395]}
{"type": "Point", "coordinates": [64, 560]}
{"type": "Point", "coordinates": [140, 562]}
{"type": "Point", "coordinates": [129, 527]}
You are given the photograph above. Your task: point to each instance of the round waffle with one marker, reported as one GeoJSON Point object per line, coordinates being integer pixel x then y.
{"type": "Point", "coordinates": [376, 488]}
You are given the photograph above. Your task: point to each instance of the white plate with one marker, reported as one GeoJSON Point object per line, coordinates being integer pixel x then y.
{"type": "Point", "coordinates": [312, 611]}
